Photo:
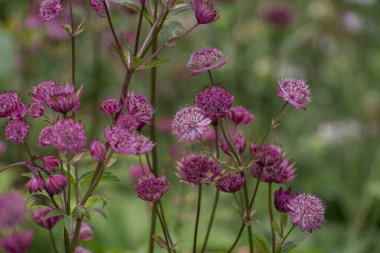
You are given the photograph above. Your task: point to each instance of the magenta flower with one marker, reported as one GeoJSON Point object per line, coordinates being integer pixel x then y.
{"type": "Point", "coordinates": [204, 11]}
{"type": "Point", "coordinates": [127, 122]}
{"type": "Point", "coordinates": [40, 217]}
{"type": "Point", "coordinates": [60, 97]}
{"type": "Point", "coordinates": [139, 106]}
{"type": "Point", "coordinates": [295, 92]}
{"type": "Point", "coordinates": [230, 183]}
{"type": "Point", "coordinates": [99, 7]}
{"type": "Point", "coordinates": [20, 111]}
{"type": "Point", "coordinates": [151, 188]}
{"type": "Point", "coordinates": [98, 151]}
{"type": "Point", "coordinates": [17, 243]}
{"type": "Point", "coordinates": [50, 162]}
{"type": "Point", "coordinates": [50, 9]}
{"type": "Point", "coordinates": [215, 102]}
{"type": "Point", "coordinates": [16, 130]}
{"type": "Point", "coordinates": [307, 211]}
{"type": "Point", "coordinates": [205, 59]}
{"type": "Point", "coordinates": [282, 198]}
{"type": "Point", "coordinates": [13, 210]}
{"type": "Point", "coordinates": [140, 145]}
{"type": "Point", "coordinates": [56, 184]}
{"type": "Point", "coordinates": [240, 116]}
{"type": "Point", "coordinates": [197, 169]}
{"type": "Point", "coordinates": [46, 137]}
{"type": "Point", "coordinates": [272, 161]}
{"type": "Point", "coordinates": [237, 140]}
{"type": "Point", "coordinates": [35, 184]}
{"type": "Point", "coordinates": [9, 102]}
{"type": "Point", "coordinates": [36, 110]}
{"type": "Point", "coordinates": [68, 136]}
{"type": "Point", "coordinates": [190, 123]}
{"type": "Point", "coordinates": [85, 232]}
{"type": "Point", "coordinates": [279, 14]}
{"type": "Point", "coordinates": [110, 106]}
{"type": "Point", "coordinates": [138, 171]}
{"type": "Point", "coordinates": [81, 250]}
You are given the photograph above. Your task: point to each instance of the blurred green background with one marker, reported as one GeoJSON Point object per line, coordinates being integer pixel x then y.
{"type": "Point", "coordinates": [333, 44]}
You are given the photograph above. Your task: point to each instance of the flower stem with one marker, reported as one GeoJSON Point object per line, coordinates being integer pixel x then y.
{"type": "Point", "coordinates": [211, 78]}
{"type": "Point", "coordinates": [165, 224]}
{"type": "Point", "coordinates": [271, 217]}
{"type": "Point", "coordinates": [139, 27]}
{"type": "Point", "coordinates": [12, 166]}
{"type": "Point", "coordinates": [73, 60]}
{"type": "Point", "coordinates": [197, 218]}
{"type": "Point", "coordinates": [211, 220]}
{"type": "Point", "coordinates": [284, 239]}
{"type": "Point", "coordinates": [53, 241]}
{"type": "Point", "coordinates": [164, 230]}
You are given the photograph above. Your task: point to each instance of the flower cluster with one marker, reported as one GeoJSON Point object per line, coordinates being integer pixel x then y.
{"type": "Point", "coordinates": [205, 59]}
{"type": "Point", "coordinates": [50, 9]}
{"type": "Point", "coordinates": [151, 188]}
{"type": "Point", "coordinates": [296, 92]}
{"type": "Point", "coordinates": [230, 183]}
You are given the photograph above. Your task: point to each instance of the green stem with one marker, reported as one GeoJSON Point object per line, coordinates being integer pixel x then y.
{"type": "Point", "coordinates": [139, 27]}
{"type": "Point", "coordinates": [211, 78]}
{"type": "Point", "coordinates": [12, 166]}
{"type": "Point", "coordinates": [284, 239]}
{"type": "Point", "coordinates": [53, 241]}
{"type": "Point", "coordinates": [73, 60]}
{"type": "Point", "coordinates": [152, 228]}
{"type": "Point", "coordinates": [211, 220]}
{"type": "Point", "coordinates": [271, 217]}
{"type": "Point", "coordinates": [197, 218]}
{"type": "Point", "coordinates": [237, 239]}
{"type": "Point", "coordinates": [168, 244]}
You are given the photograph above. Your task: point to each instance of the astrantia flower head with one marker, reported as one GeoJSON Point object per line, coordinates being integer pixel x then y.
{"type": "Point", "coordinates": [56, 184]}
{"type": "Point", "coordinates": [282, 198]}
{"type": "Point", "coordinates": [9, 102]}
{"type": "Point", "coordinates": [13, 210]}
{"type": "Point", "coordinates": [68, 136]}
{"type": "Point", "coordinates": [190, 123]}
{"type": "Point", "coordinates": [16, 130]}
{"type": "Point", "coordinates": [197, 169]}
{"type": "Point", "coordinates": [46, 137]}
{"type": "Point", "coordinates": [39, 216]}
{"type": "Point", "coordinates": [205, 59]}
{"type": "Point", "coordinates": [36, 183]}
{"type": "Point", "coordinates": [39, 92]}
{"type": "Point", "coordinates": [98, 151]}
{"type": "Point", "coordinates": [50, 9]}
{"type": "Point", "coordinates": [204, 11]}
{"type": "Point", "coordinates": [230, 183]}
{"type": "Point", "coordinates": [295, 92]}
{"type": "Point", "coordinates": [237, 140]}
{"type": "Point", "coordinates": [85, 232]}
{"type": "Point", "coordinates": [272, 161]}
{"type": "Point", "coordinates": [36, 110]}
{"type": "Point", "coordinates": [151, 188]}
{"type": "Point", "coordinates": [98, 7]}
{"type": "Point", "coordinates": [50, 162]}
{"type": "Point", "coordinates": [20, 111]}
{"type": "Point", "coordinates": [110, 106]}
{"type": "Point", "coordinates": [139, 106]}
{"type": "Point", "coordinates": [307, 211]}
{"type": "Point", "coordinates": [138, 171]}
{"type": "Point", "coordinates": [240, 115]}
{"type": "Point", "coordinates": [278, 14]}
{"type": "Point", "coordinates": [215, 102]}
{"type": "Point", "coordinates": [140, 145]}
{"type": "Point", "coordinates": [81, 250]}
{"type": "Point", "coordinates": [17, 242]}
{"type": "Point", "coordinates": [128, 122]}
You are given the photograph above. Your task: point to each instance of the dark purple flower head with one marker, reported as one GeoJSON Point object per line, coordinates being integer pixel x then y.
{"type": "Point", "coordinates": [198, 169]}
{"type": "Point", "coordinates": [204, 12]}
{"type": "Point", "coordinates": [307, 211]}
{"type": "Point", "coordinates": [205, 59]}
{"type": "Point", "coordinates": [20, 111]}
{"type": "Point", "coordinates": [240, 116]}
{"type": "Point", "coordinates": [60, 97]}
{"type": "Point", "coordinates": [278, 14]}
{"type": "Point", "coordinates": [36, 110]}
{"type": "Point", "coordinates": [56, 184]}
{"type": "Point", "coordinates": [9, 102]}
{"type": "Point", "coordinates": [139, 106]}
{"type": "Point", "coordinates": [230, 183]}
{"type": "Point", "coordinates": [16, 130]}
{"type": "Point", "coordinates": [295, 92]}
{"type": "Point", "coordinates": [151, 188]}
{"type": "Point", "coordinates": [138, 171]}
{"type": "Point", "coordinates": [110, 106]}
{"type": "Point", "coordinates": [128, 122]}
{"type": "Point", "coordinates": [272, 161]}
{"type": "Point", "coordinates": [66, 135]}
{"type": "Point", "coordinates": [13, 210]}
{"type": "Point", "coordinates": [81, 250]}
{"type": "Point", "coordinates": [237, 140]}
{"type": "Point", "coordinates": [50, 9]}
{"type": "Point", "coordinates": [140, 145]}
{"type": "Point", "coordinates": [98, 151]}
{"type": "Point", "coordinates": [50, 162]}
{"type": "Point", "coordinates": [46, 137]}
{"type": "Point", "coordinates": [17, 242]}
{"type": "Point", "coordinates": [40, 217]}
{"type": "Point", "coordinates": [98, 7]}
{"type": "Point", "coordinates": [190, 123]}
{"type": "Point", "coordinates": [215, 102]}
{"type": "Point", "coordinates": [35, 184]}
{"type": "Point", "coordinates": [282, 198]}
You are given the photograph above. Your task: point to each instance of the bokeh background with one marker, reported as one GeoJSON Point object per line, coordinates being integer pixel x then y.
{"type": "Point", "coordinates": [334, 44]}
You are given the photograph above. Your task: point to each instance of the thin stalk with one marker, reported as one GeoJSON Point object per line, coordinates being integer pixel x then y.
{"type": "Point", "coordinates": [152, 228]}
{"type": "Point", "coordinates": [164, 231]}
{"type": "Point", "coordinates": [197, 218]}
{"type": "Point", "coordinates": [271, 217]}
{"type": "Point", "coordinates": [139, 27]}
{"type": "Point", "coordinates": [284, 239]}
{"type": "Point", "coordinates": [216, 200]}
{"type": "Point", "coordinates": [29, 151]}
{"type": "Point", "coordinates": [12, 166]}
{"type": "Point", "coordinates": [53, 241]}
{"type": "Point", "coordinates": [73, 60]}
{"type": "Point", "coordinates": [211, 78]}
{"type": "Point", "coordinates": [78, 224]}
{"type": "Point", "coordinates": [237, 239]}
{"type": "Point", "coordinates": [161, 209]}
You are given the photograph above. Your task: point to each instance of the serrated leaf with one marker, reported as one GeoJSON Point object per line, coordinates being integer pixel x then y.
{"type": "Point", "coordinates": [160, 241]}
{"type": "Point", "coordinates": [39, 200]}
{"type": "Point", "coordinates": [171, 29]}
{"type": "Point", "coordinates": [260, 244]}
{"type": "Point", "coordinates": [99, 211]}
{"type": "Point", "coordinates": [69, 225]}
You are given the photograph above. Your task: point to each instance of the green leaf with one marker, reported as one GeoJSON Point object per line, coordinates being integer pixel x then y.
{"type": "Point", "coordinates": [55, 212]}
{"type": "Point", "coordinates": [161, 242]}
{"type": "Point", "coordinates": [292, 244]}
{"type": "Point", "coordinates": [80, 212]}
{"type": "Point", "coordinates": [107, 176]}
{"type": "Point", "coordinates": [94, 199]}
{"type": "Point", "coordinates": [99, 211]}
{"type": "Point", "coordinates": [39, 200]}
{"type": "Point", "coordinates": [69, 224]}
{"type": "Point", "coordinates": [171, 29]}
{"type": "Point", "coordinates": [276, 227]}
{"type": "Point", "coordinates": [261, 244]}
{"type": "Point", "coordinates": [27, 174]}
{"type": "Point", "coordinates": [153, 63]}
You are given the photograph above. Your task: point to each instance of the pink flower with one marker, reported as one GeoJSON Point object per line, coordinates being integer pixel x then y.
{"type": "Point", "coordinates": [16, 130]}
{"type": "Point", "coordinates": [81, 250]}
{"type": "Point", "coordinates": [151, 188]}
{"type": "Point", "coordinates": [20, 111]}
{"type": "Point", "coordinates": [50, 162]}
{"type": "Point", "coordinates": [238, 142]}
{"type": "Point", "coordinates": [110, 106]}
{"type": "Point", "coordinates": [128, 122]}
{"type": "Point", "coordinates": [36, 110]}
{"type": "Point", "coordinates": [205, 59]}
{"type": "Point", "coordinates": [295, 92]}
{"type": "Point", "coordinates": [282, 198]}
{"type": "Point", "coordinates": [46, 137]}
{"type": "Point", "coordinates": [280, 14]}
{"type": "Point", "coordinates": [98, 151]}
{"type": "Point", "coordinates": [139, 106]}
{"type": "Point", "coordinates": [9, 102]}
{"type": "Point", "coordinates": [50, 9]}
{"type": "Point", "coordinates": [17, 242]}
{"type": "Point", "coordinates": [68, 136]}
{"type": "Point", "coordinates": [85, 232]}
{"type": "Point", "coordinates": [190, 123]}
{"type": "Point", "coordinates": [99, 7]}
{"type": "Point", "coordinates": [240, 115]}
{"type": "Point", "coordinates": [36, 183]}
{"type": "Point", "coordinates": [204, 11]}
{"type": "Point", "coordinates": [39, 216]}
{"type": "Point", "coordinates": [138, 171]}
{"type": "Point", "coordinates": [13, 210]}
{"type": "Point", "coordinates": [230, 183]}
{"type": "Point", "coordinates": [56, 184]}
